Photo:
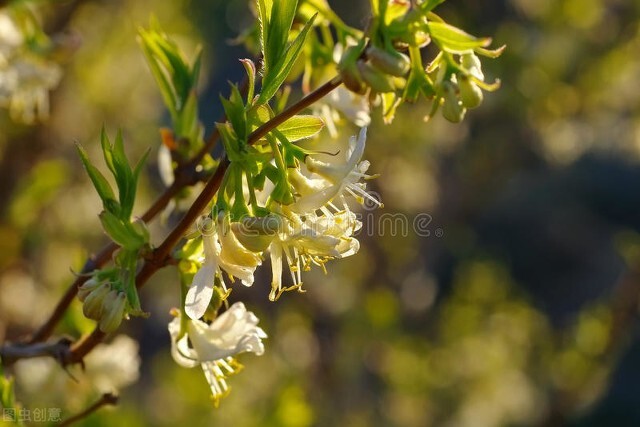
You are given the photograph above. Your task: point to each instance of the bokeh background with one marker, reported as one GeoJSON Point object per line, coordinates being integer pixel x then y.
{"type": "Point", "coordinates": [515, 305]}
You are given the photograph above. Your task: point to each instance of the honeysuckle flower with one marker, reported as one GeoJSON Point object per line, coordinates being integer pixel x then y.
{"type": "Point", "coordinates": [342, 103]}
{"type": "Point", "coordinates": [115, 365]}
{"type": "Point", "coordinates": [25, 76]}
{"type": "Point", "coordinates": [25, 82]}
{"type": "Point", "coordinates": [214, 346]}
{"type": "Point", "coordinates": [10, 37]}
{"type": "Point", "coordinates": [339, 179]}
{"type": "Point", "coordinates": [354, 107]}
{"type": "Point", "coordinates": [313, 241]}
{"type": "Point", "coordinates": [222, 251]}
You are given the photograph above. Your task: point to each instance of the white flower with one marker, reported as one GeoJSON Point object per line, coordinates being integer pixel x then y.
{"type": "Point", "coordinates": [220, 252]}
{"type": "Point", "coordinates": [337, 180]}
{"type": "Point", "coordinates": [353, 106]}
{"type": "Point", "coordinates": [313, 241]}
{"type": "Point", "coordinates": [10, 37]}
{"type": "Point", "coordinates": [25, 77]}
{"type": "Point", "coordinates": [115, 365]}
{"type": "Point", "coordinates": [213, 346]}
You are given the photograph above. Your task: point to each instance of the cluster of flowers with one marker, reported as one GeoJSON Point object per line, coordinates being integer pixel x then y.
{"type": "Point", "coordinates": [319, 226]}
{"type": "Point", "coordinates": [462, 90]}
{"type": "Point", "coordinates": [103, 300]}
{"type": "Point", "coordinates": [26, 75]}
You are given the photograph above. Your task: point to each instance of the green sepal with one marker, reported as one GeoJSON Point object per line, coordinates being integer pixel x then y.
{"type": "Point", "coordinates": [453, 40]}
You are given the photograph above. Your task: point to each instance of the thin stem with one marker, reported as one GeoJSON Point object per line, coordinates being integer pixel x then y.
{"type": "Point", "coordinates": [106, 399]}
{"type": "Point", "coordinates": [294, 109]}
{"type": "Point", "coordinates": [81, 348]}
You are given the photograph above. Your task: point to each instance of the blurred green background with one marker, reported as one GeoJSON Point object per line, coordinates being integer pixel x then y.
{"type": "Point", "coordinates": [516, 305]}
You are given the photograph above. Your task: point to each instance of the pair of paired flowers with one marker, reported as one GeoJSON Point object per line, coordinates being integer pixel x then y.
{"type": "Point", "coordinates": [317, 227]}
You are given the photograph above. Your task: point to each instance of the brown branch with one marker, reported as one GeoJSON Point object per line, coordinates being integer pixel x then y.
{"type": "Point", "coordinates": [58, 350]}
{"type": "Point", "coordinates": [294, 109]}
{"type": "Point", "coordinates": [185, 176]}
{"type": "Point", "coordinates": [106, 399]}
{"type": "Point", "coordinates": [161, 255]}
{"type": "Point", "coordinates": [74, 353]}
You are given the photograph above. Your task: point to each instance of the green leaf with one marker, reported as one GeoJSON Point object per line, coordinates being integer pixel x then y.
{"type": "Point", "coordinates": [301, 127]}
{"type": "Point", "coordinates": [453, 39]}
{"type": "Point", "coordinates": [250, 68]}
{"type": "Point", "coordinates": [274, 78]}
{"type": "Point", "coordinates": [264, 17]}
{"type": "Point", "coordinates": [160, 75]}
{"type": "Point", "coordinates": [124, 178]}
{"type": "Point", "coordinates": [390, 102]}
{"type": "Point", "coordinates": [429, 5]}
{"type": "Point", "coordinates": [107, 150]}
{"type": "Point", "coordinates": [175, 78]}
{"type": "Point", "coordinates": [236, 114]}
{"type": "Point", "coordinates": [276, 19]}
{"type": "Point", "coordinates": [99, 182]}
{"type": "Point", "coordinates": [138, 168]}
{"type": "Point", "coordinates": [260, 115]}
{"type": "Point", "coordinates": [122, 233]}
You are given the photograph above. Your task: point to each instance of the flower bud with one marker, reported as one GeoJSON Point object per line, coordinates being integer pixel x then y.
{"type": "Point", "coordinates": [472, 64]}
{"type": "Point", "coordinates": [376, 79]}
{"type": "Point", "coordinates": [233, 252]}
{"type": "Point", "coordinates": [348, 70]}
{"type": "Point", "coordinates": [92, 307]}
{"type": "Point", "coordinates": [415, 38]}
{"type": "Point", "coordinates": [87, 287]}
{"type": "Point", "coordinates": [256, 234]}
{"type": "Point", "coordinates": [452, 108]}
{"type": "Point", "coordinates": [113, 311]}
{"type": "Point", "coordinates": [390, 62]}
{"type": "Point", "coordinates": [470, 94]}
{"type": "Point", "coordinates": [141, 228]}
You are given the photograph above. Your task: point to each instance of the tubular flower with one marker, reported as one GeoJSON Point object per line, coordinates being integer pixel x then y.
{"type": "Point", "coordinates": [213, 346]}
{"type": "Point", "coordinates": [313, 241]}
{"type": "Point", "coordinates": [221, 252]}
{"type": "Point", "coordinates": [336, 180]}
